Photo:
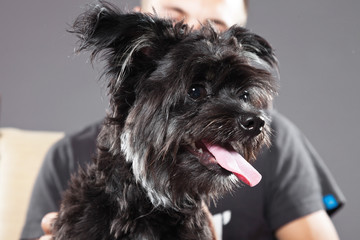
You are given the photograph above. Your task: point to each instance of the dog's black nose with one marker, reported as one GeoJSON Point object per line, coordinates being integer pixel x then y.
{"type": "Point", "coordinates": [252, 124]}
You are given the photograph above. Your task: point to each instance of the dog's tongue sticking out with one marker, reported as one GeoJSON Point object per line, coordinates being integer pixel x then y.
{"type": "Point", "coordinates": [235, 163]}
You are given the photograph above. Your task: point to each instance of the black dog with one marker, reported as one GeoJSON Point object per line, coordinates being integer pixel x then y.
{"type": "Point", "coordinates": [184, 105]}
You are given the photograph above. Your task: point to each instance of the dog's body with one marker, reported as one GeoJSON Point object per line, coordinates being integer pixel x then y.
{"type": "Point", "coordinates": [184, 104]}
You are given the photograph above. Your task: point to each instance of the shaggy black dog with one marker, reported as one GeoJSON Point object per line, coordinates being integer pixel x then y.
{"type": "Point", "coordinates": [187, 108]}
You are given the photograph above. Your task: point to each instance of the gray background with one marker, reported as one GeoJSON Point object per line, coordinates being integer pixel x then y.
{"type": "Point", "coordinates": [44, 86]}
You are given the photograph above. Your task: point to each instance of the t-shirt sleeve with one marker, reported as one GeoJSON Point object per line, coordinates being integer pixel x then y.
{"type": "Point", "coordinates": [297, 181]}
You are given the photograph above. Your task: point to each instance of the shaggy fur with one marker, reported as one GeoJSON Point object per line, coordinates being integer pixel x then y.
{"type": "Point", "coordinates": [171, 90]}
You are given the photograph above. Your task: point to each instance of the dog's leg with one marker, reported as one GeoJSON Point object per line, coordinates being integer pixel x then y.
{"type": "Point", "coordinates": [85, 209]}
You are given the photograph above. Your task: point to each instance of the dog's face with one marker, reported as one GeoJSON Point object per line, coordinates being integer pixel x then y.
{"type": "Point", "coordinates": [188, 107]}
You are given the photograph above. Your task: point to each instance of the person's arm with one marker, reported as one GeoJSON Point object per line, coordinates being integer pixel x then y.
{"type": "Point", "coordinates": [51, 181]}
{"type": "Point", "coordinates": [315, 226]}
{"type": "Point", "coordinates": [297, 186]}
{"type": "Point", "coordinates": [61, 161]}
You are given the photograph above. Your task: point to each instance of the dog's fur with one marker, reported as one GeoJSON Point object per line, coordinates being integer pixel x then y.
{"type": "Point", "coordinates": [170, 88]}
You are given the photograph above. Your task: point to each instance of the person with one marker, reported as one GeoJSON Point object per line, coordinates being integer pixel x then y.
{"type": "Point", "coordinates": [293, 201]}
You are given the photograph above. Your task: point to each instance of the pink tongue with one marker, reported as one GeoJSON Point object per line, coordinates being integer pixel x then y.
{"type": "Point", "coordinates": [235, 163]}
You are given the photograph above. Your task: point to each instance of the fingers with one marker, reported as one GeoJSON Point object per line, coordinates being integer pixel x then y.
{"type": "Point", "coordinates": [46, 237]}
{"type": "Point", "coordinates": [210, 220]}
{"type": "Point", "coordinates": [47, 224]}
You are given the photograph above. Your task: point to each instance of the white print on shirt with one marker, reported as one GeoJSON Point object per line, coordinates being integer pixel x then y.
{"type": "Point", "coordinates": [220, 220]}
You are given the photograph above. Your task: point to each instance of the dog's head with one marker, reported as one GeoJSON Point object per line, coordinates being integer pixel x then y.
{"type": "Point", "coordinates": [187, 107]}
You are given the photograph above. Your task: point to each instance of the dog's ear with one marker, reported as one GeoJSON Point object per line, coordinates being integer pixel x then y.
{"type": "Point", "coordinates": [254, 44]}
{"type": "Point", "coordinates": [125, 40]}
{"type": "Point", "coordinates": [257, 50]}
{"type": "Point", "coordinates": [130, 44]}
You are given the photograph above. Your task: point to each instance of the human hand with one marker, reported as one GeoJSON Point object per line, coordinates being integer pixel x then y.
{"type": "Point", "coordinates": [210, 220]}
{"type": "Point", "coordinates": [47, 224]}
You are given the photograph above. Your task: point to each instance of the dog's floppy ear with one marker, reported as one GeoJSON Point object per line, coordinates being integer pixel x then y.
{"type": "Point", "coordinates": [125, 40]}
{"type": "Point", "coordinates": [254, 44]}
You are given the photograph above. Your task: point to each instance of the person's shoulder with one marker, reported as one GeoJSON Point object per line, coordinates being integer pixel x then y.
{"type": "Point", "coordinates": [85, 136]}
{"type": "Point", "coordinates": [77, 147]}
{"type": "Point", "coordinates": [281, 123]}
{"type": "Point", "coordinates": [87, 132]}
{"type": "Point", "coordinates": [283, 129]}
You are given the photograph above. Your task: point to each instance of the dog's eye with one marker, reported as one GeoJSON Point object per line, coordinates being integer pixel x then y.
{"type": "Point", "coordinates": [197, 91]}
{"type": "Point", "coordinates": [245, 96]}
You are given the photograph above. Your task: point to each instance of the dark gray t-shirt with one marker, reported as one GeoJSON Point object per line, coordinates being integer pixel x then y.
{"type": "Point", "coordinates": [295, 183]}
